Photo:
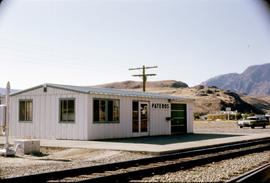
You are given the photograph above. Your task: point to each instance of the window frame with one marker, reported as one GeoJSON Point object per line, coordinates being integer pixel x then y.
{"type": "Point", "coordinates": [60, 110]}
{"type": "Point", "coordinates": [106, 111]}
{"type": "Point", "coordinates": [32, 112]}
{"type": "Point", "coordinates": [137, 116]}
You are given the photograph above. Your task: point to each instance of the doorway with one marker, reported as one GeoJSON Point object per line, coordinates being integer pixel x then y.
{"type": "Point", "coordinates": [140, 117]}
{"type": "Point", "coordinates": [178, 118]}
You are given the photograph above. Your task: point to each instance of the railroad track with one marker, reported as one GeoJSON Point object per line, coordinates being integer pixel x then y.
{"type": "Point", "coordinates": [137, 169]}
{"type": "Point", "coordinates": [260, 174]}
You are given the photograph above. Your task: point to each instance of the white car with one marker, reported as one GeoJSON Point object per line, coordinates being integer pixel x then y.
{"type": "Point", "coordinates": [253, 122]}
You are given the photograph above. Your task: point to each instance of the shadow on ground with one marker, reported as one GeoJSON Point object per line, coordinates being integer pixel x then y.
{"type": "Point", "coordinates": [165, 140]}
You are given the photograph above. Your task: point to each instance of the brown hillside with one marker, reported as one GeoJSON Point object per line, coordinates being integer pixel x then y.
{"type": "Point", "coordinates": [211, 99]}
{"type": "Point", "coordinates": [262, 103]}
{"type": "Point", "coordinates": [150, 84]}
{"type": "Point", "coordinates": [207, 99]}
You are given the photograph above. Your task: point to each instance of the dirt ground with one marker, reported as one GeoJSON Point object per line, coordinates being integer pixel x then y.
{"type": "Point", "coordinates": [52, 159]}
{"type": "Point", "coordinates": [225, 127]}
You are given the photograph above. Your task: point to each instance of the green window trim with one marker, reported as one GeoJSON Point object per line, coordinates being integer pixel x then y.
{"type": "Point", "coordinates": [67, 110]}
{"type": "Point", "coordinates": [106, 111]}
{"type": "Point", "coordinates": [26, 111]}
{"type": "Point", "coordinates": [135, 116]}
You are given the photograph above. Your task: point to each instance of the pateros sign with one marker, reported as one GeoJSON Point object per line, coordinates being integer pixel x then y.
{"type": "Point", "coordinates": [160, 106]}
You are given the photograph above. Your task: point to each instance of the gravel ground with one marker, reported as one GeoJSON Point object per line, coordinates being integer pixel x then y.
{"type": "Point", "coordinates": [58, 158]}
{"type": "Point", "coordinates": [61, 159]}
{"type": "Point", "coordinates": [226, 127]}
{"type": "Point", "coordinates": [215, 172]}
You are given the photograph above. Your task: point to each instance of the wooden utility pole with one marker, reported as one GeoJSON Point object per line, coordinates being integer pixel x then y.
{"type": "Point", "coordinates": [144, 75]}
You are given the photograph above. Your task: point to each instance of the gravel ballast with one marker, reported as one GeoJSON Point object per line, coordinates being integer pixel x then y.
{"type": "Point", "coordinates": [216, 171]}
{"type": "Point", "coordinates": [59, 158]}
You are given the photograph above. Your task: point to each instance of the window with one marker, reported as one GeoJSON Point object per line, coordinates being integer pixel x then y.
{"type": "Point", "coordinates": [106, 110]}
{"type": "Point", "coordinates": [135, 116]}
{"type": "Point", "coordinates": [67, 110]}
{"type": "Point", "coordinates": [25, 110]}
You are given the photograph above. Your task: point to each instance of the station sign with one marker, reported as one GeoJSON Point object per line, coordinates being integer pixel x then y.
{"type": "Point", "coordinates": [160, 106]}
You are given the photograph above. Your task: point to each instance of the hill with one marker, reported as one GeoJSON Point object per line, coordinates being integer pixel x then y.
{"type": "Point", "coordinates": [150, 84]}
{"type": "Point", "coordinates": [207, 99]}
{"type": "Point", "coordinates": [255, 80]}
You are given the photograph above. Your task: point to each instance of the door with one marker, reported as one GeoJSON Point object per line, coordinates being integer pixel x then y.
{"type": "Point", "coordinates": [143, 117]}
{"type": "Point", "coordinates": [178, 118]}
{"type": "Point", "coordinates": [140, 117]}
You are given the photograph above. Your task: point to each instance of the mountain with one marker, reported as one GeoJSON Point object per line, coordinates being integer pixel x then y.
{"type": "Point", "coordinates": [3, 91]}
{"type": "Point", "coordinates": [255, 80]}
{"type": "Point", "coordinates": [207, 99]}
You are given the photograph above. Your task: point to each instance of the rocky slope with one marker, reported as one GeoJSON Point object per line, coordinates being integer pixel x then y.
{"type": "Point", "coordinates": [255, 80]}
{"type": "Point", "coordinates": [207, 99]}
{"type": "Point", "coordinates": [212, 99]}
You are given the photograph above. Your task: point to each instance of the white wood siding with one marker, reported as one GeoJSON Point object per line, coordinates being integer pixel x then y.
{"type": "Point", "coordinates": [157, 122]}
{"type": "Point", "coordinates": [111, 130]}
{"type": "Point", "coordinates": [159, 125]}
{"type": "Point", "coordinates": [190, 117]}
{"type": "Point", "coordinates": [2, 99]}
{"type": "Point", "coordinates": [45, 122]}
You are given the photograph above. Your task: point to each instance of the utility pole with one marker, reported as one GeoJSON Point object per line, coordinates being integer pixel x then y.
{"type": "Point", "coordinates": [144, 75]}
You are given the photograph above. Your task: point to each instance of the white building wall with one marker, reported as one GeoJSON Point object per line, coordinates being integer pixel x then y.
{"type": "Point", "coordinates": [45, 122]}
{"type": "Point", "coordinates": [159, 125]}
{"type": "Point", "coordinates": [111, 130]}
{"type": "Point", "coordinates": [157, 120]}
{"type": "Point", "coordinates": [190, 117]}
{"type": "Point", "coordinates": [2, 99]}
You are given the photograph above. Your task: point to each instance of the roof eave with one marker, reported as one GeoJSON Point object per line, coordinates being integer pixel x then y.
{"type": "Point", "coordinates": [46, 85]}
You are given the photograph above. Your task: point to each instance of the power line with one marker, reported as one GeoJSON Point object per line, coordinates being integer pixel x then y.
{"type": "Point", "coordinates": [143, 75]}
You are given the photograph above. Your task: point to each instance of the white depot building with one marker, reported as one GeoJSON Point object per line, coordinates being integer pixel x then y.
{"type": "Point", "coordinates": [2, 99]}
{"type": "Point", "coordinates": [52, 111]}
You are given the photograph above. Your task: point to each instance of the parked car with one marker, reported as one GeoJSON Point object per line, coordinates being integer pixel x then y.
{"type": "Point", "coordinates": [254, 121]}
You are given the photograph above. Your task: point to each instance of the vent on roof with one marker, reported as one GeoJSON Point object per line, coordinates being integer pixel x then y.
{"type": "Point", "coordinates": [44, 88]}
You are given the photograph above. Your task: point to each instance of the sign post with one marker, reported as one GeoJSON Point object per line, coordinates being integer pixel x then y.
{"type": "Point", "coordinates": [6, 130]}
{"type": "Point", "coordinates": [7, 151]}
{"type": "Point", "coordinates": [228, 110]}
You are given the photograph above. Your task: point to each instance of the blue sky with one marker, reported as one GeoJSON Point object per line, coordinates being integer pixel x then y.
{"type": "Point", "coordinates": [88, 42]}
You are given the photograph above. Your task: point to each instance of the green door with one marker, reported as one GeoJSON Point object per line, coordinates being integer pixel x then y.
{"type": "Point", "coordinates": [178, 118]}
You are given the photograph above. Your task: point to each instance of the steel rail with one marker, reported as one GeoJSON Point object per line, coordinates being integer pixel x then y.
{"type": "Point", "coordinates": [134, 174]}
{"type": "Point", "coordinates": [259, 174]}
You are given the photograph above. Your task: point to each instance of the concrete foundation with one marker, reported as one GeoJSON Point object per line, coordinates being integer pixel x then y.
{"type": "Point", "coordinates": [27, 146]}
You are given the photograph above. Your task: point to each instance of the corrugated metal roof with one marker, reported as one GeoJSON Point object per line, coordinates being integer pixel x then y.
{"type": "Point", "coordinates": [107, 91]}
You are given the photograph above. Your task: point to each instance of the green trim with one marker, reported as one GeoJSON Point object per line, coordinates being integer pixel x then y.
{"type": "Point", "coordinates": [106, 111]}
{"type": "Point", "coordinates": [32, 112]}
{"type": "Point", "coordinates": [106, 122]}
{"type": "Point", "coordinates": [72, 122]}
{"type": "Point", "coordinates": [26, 121]}
{"type": "Point", "coordinates": [59, 110]}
